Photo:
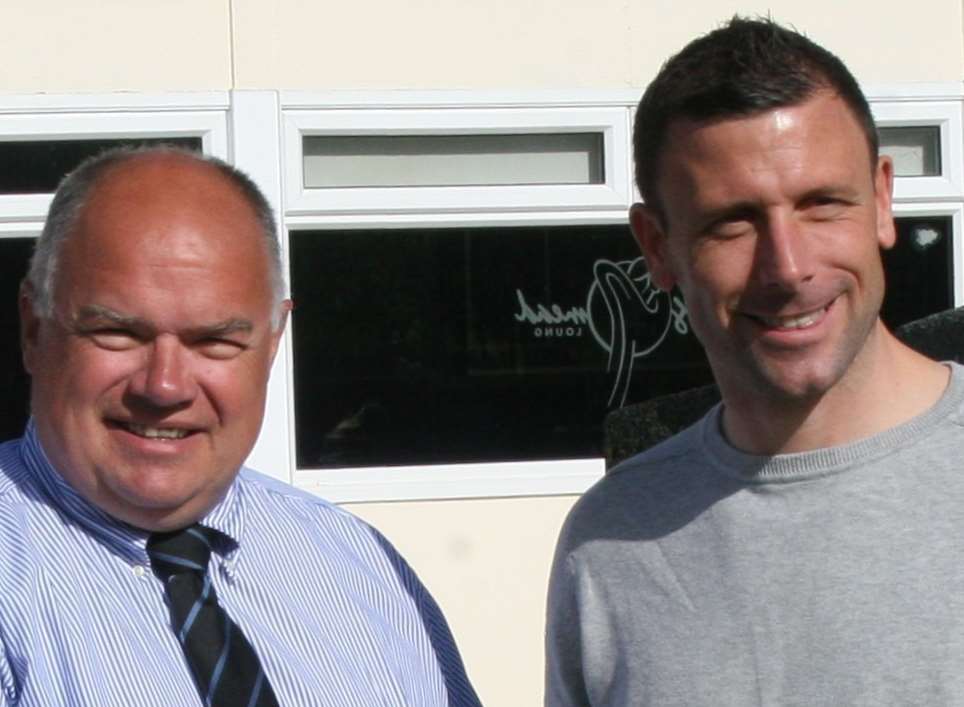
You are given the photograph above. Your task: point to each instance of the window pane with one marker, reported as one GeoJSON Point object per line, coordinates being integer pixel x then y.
{"type": "Point", "coordinates": [474, 345]}
{"type": "Point", "coordinates": [916, 150]}
{"type": "Point", "coordinates": [14, 255]}
{"type": "Point", "coordinates": [36, 167]}
{"type": "Point", "coordinates": [919, 270]}
{"type": "Point", "coordinates": [452, 160]}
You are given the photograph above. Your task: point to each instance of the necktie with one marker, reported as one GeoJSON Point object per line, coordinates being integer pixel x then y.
{"type": "Point", "coordinates": [226, 669]}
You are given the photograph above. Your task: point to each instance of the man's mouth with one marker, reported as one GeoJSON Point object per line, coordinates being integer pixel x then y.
{"type": "Point", "coordinates": [155, 432]}
{"type": "Point", "coordinates": [796, 321]}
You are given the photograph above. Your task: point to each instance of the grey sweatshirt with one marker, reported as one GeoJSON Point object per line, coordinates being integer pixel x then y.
{"type": "Point", "coordinates": [694, 574]}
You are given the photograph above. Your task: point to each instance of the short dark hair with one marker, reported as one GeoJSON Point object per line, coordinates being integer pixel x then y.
{"type": "Point", "coordinates": [741, 69]}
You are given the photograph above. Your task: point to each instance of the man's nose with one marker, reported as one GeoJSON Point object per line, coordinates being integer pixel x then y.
{"type": "Point", "coordinates": [783, 258]}
{"type": "Point", "coordinates": [166, 378]}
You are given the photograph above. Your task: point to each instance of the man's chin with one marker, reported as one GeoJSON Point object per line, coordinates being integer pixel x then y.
{"type": "Point", "coordinates": [799, 384]}
{"type": "Point", "coordinates": [160, 518]}
{"type": "Point", "coordinates": [158, 499]}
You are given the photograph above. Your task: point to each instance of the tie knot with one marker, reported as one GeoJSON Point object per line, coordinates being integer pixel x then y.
{"type": "Point", "coordinates": [185, 550]}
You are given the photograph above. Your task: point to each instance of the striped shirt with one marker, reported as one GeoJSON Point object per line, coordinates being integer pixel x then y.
{"type": "Point", "coordinates": [336, 615]}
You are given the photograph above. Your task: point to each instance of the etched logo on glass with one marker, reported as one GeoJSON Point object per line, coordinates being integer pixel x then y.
{"type": "Point", "coordinates": [628, 317]}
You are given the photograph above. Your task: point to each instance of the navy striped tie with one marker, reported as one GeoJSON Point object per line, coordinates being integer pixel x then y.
{"type": "Point", "coordinates": [226, 669]}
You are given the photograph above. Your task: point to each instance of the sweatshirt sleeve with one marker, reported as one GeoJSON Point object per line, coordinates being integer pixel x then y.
{"type": "Point", "coordinates": [565, 683]}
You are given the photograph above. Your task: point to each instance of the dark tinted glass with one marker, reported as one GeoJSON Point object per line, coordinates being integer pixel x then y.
{"type": "Point", "coordinates": [14, 255]}
{"type": "Point", "coordinates": [37, 167]}
{"type": "Point", "coordinates": [919, 270]}
{"type": "Point", "coordinates": [475, 345]}
{"type": "Point", "coordinates": [481, 344]}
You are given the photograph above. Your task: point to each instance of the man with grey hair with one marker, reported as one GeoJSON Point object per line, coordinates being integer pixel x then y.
{"type": "Point", "coordinates": [800, 544]}
{"type": "Point", "coordinates": [140, 563]}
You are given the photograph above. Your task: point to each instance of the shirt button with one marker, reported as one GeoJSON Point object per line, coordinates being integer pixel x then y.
{"type": "Point", "coordinates": [139, 570]}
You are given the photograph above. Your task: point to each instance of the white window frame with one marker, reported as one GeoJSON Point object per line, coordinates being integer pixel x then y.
{"type": "Point", "coordinates": [609, 122]}
{"type": "Point", "coordinates": [53, 117]}
{"type": "Point", "coordinates": [261, 132]}
{"type": "Point", "coordinates": [414, 113]}
{"type": "Point", "coordinates": [434, 113]}
{"type": "Point", "coordinates": [944, 115]}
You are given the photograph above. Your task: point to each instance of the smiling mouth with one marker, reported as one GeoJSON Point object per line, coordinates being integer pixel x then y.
{"type": "Point", "coordinates": [797, 321]}
{"type": "Point", "coordinates": [150, 432]}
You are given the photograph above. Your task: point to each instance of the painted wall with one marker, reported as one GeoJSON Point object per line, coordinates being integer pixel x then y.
{"type": "Point", "coordinates": [486, 561]}
{"type": "Point", "coordinates": [56, 45]}
{"type": "Point", "coordinates": [114, 45]}
{"type": "Point", "coordinates": [559, 43]}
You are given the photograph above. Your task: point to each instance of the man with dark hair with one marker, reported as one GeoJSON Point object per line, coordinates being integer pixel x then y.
{"type": "Point", "coordinates": [798, 545]}
{"type": "Point", "coordinates": [140, 563]}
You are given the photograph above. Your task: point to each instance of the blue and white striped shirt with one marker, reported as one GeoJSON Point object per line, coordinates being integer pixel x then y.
{"type": "Point", "coordinates": [336, 615]}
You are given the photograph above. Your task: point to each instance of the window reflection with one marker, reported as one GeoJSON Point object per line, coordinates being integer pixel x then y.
{"type": "Point", "coordinates": [474, 345]}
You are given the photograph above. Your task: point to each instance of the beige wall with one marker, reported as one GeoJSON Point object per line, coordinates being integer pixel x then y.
{"type": "Point", "coordinates": [560, 43]}
{"type": "Point", "coordinates": [486, 562]}
{"type": "Point", "coordinates": [114, 45]}
{"type": "Point", "coordinates": [56, 45]}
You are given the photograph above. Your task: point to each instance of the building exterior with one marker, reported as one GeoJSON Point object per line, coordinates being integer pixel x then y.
{"type": "Point", "coordinates": [451, 181]}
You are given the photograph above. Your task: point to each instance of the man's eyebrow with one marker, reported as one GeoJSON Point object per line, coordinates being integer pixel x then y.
{"type": "Point", "coordinates": [96, 311]}
{"type": "Point", "coordinates": [235, 325]}
{"type": "Point", "coordinates": [840, 191]}
{"type": "Point", "coordinates": [226, 327]}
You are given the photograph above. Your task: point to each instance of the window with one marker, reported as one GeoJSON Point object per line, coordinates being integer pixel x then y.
{"type": "Point", "coordinates": [469, 301]}
{"type": "Point", "coordinates": [468, 345]}
{"type": "Point", "coordinates": [452, 334]}
{"type": "Point", "coordinates": [452, 160]}
{"type": "Point", "coordinates": [14, 254]}
{"type": "Point", "coordinates": [915, 149]}
{"type": "Point", "coordinates": [920, 269]}
{"type": "Point", "coordinates": [515, 158]}
{"type": "Point", "coordinates": [36, 166]}
{"type": "Point", "coordinates": [924, 138]}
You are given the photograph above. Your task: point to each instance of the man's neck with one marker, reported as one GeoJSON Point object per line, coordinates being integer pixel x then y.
{"type": "Point", "coordinates": [890, 385]}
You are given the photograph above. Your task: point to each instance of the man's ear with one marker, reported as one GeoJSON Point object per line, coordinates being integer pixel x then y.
{"type": "Point", "coordinates": [650, 234]}
{"type": "Point", "coordinates": [883, 196]}
{"type": "Point", "coordinates": [29, 326]}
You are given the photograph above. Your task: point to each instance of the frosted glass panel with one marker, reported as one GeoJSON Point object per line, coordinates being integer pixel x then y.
{"type": "Point", "coordinates": [916, 150]}
{"type": "Point", "coordinates": [452, 160]}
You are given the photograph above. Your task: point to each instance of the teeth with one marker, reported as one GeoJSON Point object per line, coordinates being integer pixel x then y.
{"type": "Point", "coordinates": [156, 432]}
{"type": "Point", "coordinates": [804, 320]}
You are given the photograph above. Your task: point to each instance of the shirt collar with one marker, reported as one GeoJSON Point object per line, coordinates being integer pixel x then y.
{"type": "Point", "coordinates": [228, 519]}
{"type": "Point", "coordinates": [118, 537]}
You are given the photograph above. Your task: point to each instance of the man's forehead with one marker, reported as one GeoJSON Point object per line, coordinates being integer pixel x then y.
{"type": "Point", "coordinates": [150, 196]}
{"type": "Point", "coordinates": [813, 119]}
{"type": "Point", "coordinates": [170, 180]}
{"type": "Point", "coordinates": [160, 223]}
{"type": "Point", "coordinates": [164, 167]}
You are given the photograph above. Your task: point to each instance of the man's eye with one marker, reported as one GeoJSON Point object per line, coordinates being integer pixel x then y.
{"type": "Point", "coordinates": [825, 209]}
{"type": "Point", "coordinates": [219, 348]}
{"type": "Point", "coordinates": [114, 339]}
{"type": "Point", "coordinates": [729, 227]}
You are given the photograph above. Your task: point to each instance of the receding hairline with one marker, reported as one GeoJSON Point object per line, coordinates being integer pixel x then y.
{"type": "Point", "coordinates": [198, 184]}
{"type": "Point", "coordinates": [157, 160]}
{"type": "Point", "coordinates": [91, 182]}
